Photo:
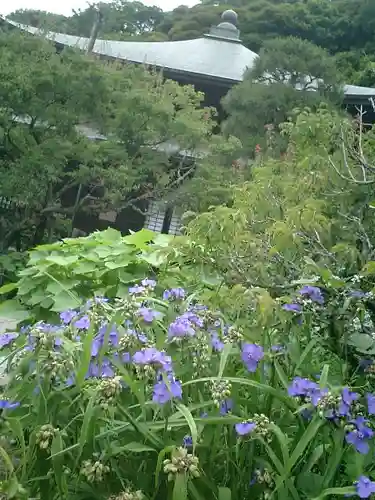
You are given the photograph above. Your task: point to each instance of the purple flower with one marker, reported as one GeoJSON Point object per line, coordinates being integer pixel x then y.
{"type": "Point", "coordinates": [174, 294]}
{"type": "Point", "coordinates": [347, 398]}
{"type": "Point", "coordinates": [360, 435]}
{"type": "Point", "coordinates": [187, 441]}
{"type": "Point", "coordinates": [148, 283]}
{"type": "Point", "coordinates": [216, 343]}
{"type": "Point", "coordinates": [100, 371]}
{"type": "Point", "coordinates": [226, 406]}
{"type": "Point", "coordinates": [313, 293]}
{"type": "Point", "coordinates": [244, 428]}
{"type": "Point", "coordinates": [370, 403]}
{"type": "Point", "coordinates": [151, 356]}
{"type": "Point", "coordinates": [251, 355]}
{"type": "Point", "coordinates": [83, 323]}
{"type": "Point", "coordinates": [164, 393]}
{"type": "Point", "coordinates": [181, 327]}
{"type": "Point", "coordinates": [305, 388]}
{"type": "Point", "coordinates": [193, 318]}
{"type": "Point", "coordinates": [137, 290]}
{"type": "Point", "coordinates": [292, 307]}
{"type": "Point", "coordinates": [364, 487]}
{"type": "Point", "coordinates": [148, 315]}
{"type": "Point", "coordinates": [67, 316]}
{"type": "Point", "coordinates": [7, 405]}
{"type": "Point", "coordinates": [7, 338]}
{"type": "Point", "coordinates": [98, 342]}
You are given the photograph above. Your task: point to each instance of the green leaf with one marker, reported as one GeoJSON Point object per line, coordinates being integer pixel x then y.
{"type": "Point", "coordinates": [224, 494]}
{"type": "Point", "coordinates": [346, 491]}
{"type": "Point", "coordinates": [362, 342]}
{"type": "Point", "coordinates": [88, 424]}
{"type": "Point", "coordinates": [180, 487]}
{"type": "Point", "coordinates": [63, 261]}
{"type": "Point", "coordinates": [9, 287]}
{"type": "Point", "coordinates": [140, 238]}
{"type": "Point", "coordinates": [13, 311]}
{"type": "Point", "coordinates": [57, 446]}
{"type": "Point", "coordinates": [191, 422]}
{"type": "Point", "coordinates": [64, 301]}
{"type": "Point", "coordinates": [224, 358]}
{"type": "Point", "coordinates": [134, 447]}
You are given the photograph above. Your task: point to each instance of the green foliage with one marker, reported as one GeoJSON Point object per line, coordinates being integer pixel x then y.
{"type": "Point", "coordinates": [94, 421]}
{"type": "Point", "coordinates": [48, 165]}
{"type": "Point", "coordinates": [59, 275]}
{"type": "Point", "coordinates": [310, 205]}
{"type": "Point", "coordinates": [288, 74]}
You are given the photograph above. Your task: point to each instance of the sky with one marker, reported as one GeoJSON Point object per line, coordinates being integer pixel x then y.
{"type": "Point", "coordinates": [65, 6]}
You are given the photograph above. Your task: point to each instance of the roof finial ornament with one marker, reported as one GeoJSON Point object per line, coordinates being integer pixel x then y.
{"type": "Point", "coordinates": [227, 30]}
{"type": "Point", "coordinates": [230, 16]}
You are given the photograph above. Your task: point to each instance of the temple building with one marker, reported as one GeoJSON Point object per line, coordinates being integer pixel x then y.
{"type": "Point", "coordinates": [213, 64]}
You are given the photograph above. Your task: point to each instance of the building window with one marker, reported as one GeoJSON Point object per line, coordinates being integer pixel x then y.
{"type": "Point", "coordinates": [162, 219]}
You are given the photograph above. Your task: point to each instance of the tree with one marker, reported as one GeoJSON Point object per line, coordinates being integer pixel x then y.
{"type": "Point", "coordinates": [308, 213]}
{"type": "Point", "coordinates": [50, 170]}
{"type": "Point", "coordinates": [289, 73]}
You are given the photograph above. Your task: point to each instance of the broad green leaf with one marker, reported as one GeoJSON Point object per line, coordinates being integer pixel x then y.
{"type": "Point", "coordinates": [12, 310]}
{"type": "Point", "coordinates": [64, 301]}
{"type": "Point", "coordinates": [140, 238]}
{"type": "Point", "coordinates": [63, 261]}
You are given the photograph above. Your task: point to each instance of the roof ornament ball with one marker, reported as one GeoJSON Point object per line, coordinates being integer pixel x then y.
{"type": "Point", "coordinates": [230, 16]}
{"type": "Point", "coordinates": [227, 30]}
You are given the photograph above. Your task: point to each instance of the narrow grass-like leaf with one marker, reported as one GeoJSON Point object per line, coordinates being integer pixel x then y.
{"type": "Point", "coordinates": [224, 359]}
{"type": "Point", "coordinates": [7, 460]}
{"type": "Point", "coordinates": [346, 491]}
{"type": "Point", "coordinates": [180, 487]}
{"type": "Point", "coordinates": [159, 465]}
{"type": "Point", "coordinates": [87, 426]}
{"type": "Point", "coordinates": [57, 446]}
{"type": "Point", "coordinates": [310, 346]}
{"type": "Point", "coordinates": [85, 357]}
{"type": "Point", "coordinates": [283, 441]}
{"type": "Point", "coordinates": [281, 374]}
{"type": "Point", "coordinates": [315, 457]}
{"type": "Point", "coordinates": [191, 422]}
{"type": "Point", "coordinates": [324, 376]}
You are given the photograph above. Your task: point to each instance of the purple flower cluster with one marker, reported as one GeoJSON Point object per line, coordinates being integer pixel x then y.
{"type": "Point", "coordinates": [292, 307]}
{"type": "Point", "coordinates": [8, 405]}
{"type": "Point", "coordinates": [306, 389]}
{"type": "Point", "coordinates": [251, 355]}
{"type": "Point", "coordinates": [313, 293]}
{"type": "Point", "coordinates": [7, 338]}
{"type": "Point", "coordinates": [148, 315]}
{"type": "Point", "coordinates": [244, 428]}
{"type": "Point", "coordinates": [183, 326]}
{"type": "Point", "coordinates": [360, 435]}
{"type": "Point", "coordinates": [152, 357]}
{"type": "Point", "coordinates": [164, 391]}
{"type": "Point", "coordinates": [174, 294]}
{"type": "Point", "coordinates": [364, 487]}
